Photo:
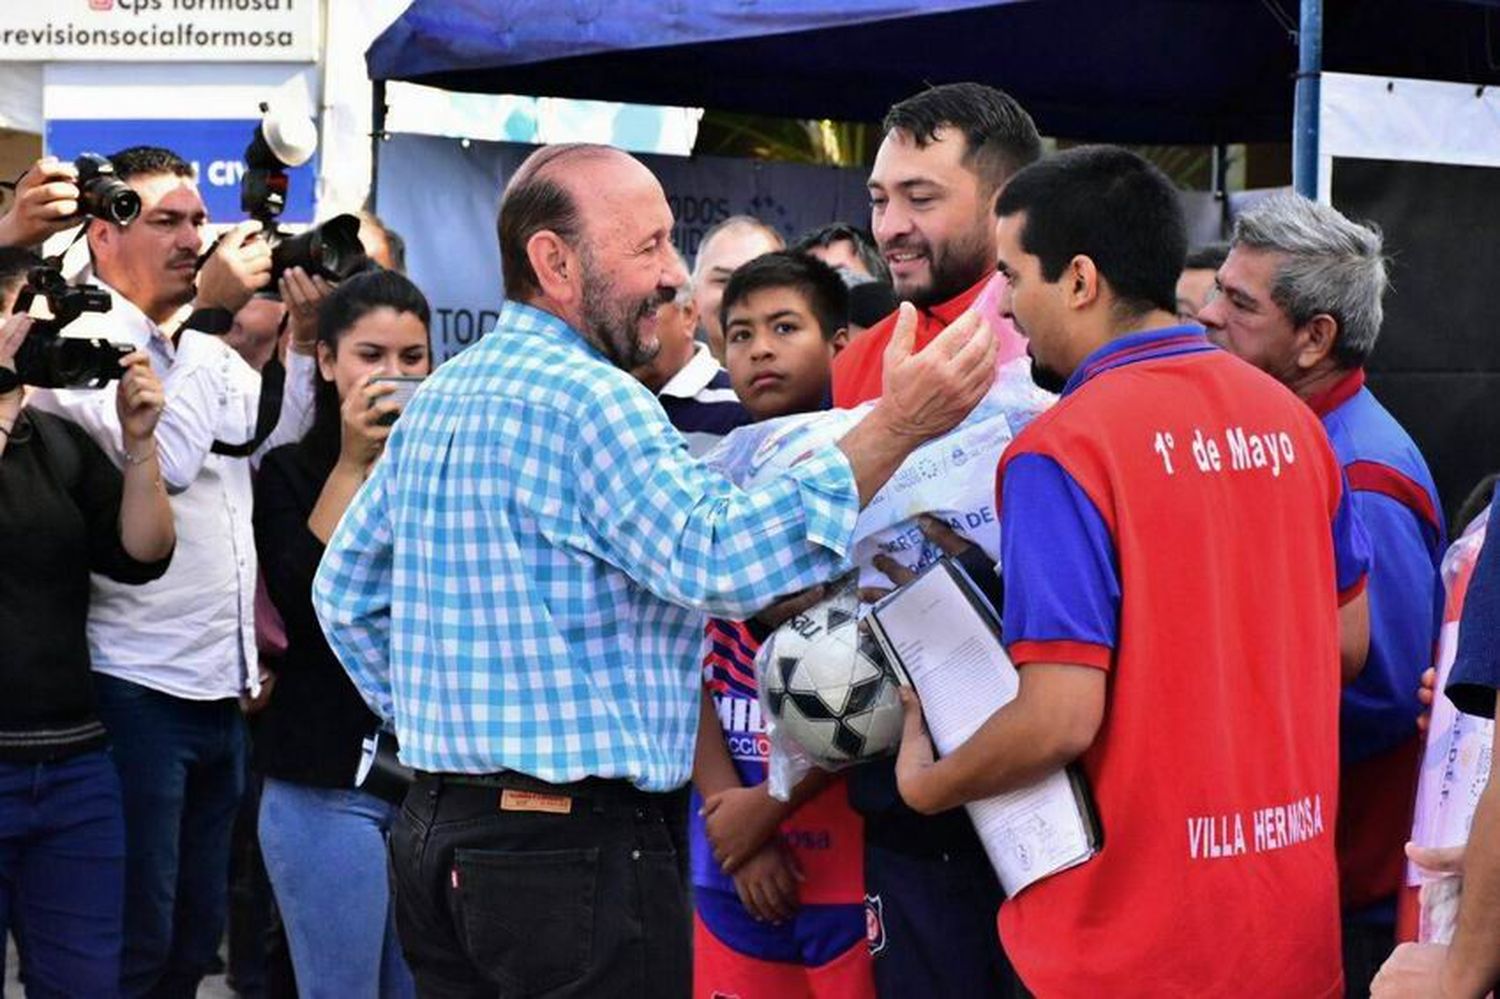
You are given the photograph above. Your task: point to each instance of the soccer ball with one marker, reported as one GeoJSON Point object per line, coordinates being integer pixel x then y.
{"type": "Point", "coordinates": [826, 683]}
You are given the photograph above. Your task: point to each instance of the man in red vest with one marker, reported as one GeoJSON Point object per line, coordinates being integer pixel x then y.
{"type": "Point", "coordinates": [1177, 544]}
{"type": "Point", "coordinates": [930, 892]}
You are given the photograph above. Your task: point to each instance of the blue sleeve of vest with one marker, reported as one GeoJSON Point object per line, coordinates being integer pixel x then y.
{"type": "Point", "coordinates": [1476, 671]}
{"type": "Point", "coordinates": [1057, 557]}
{"type": "Point", "coordinates": [1351, 542]}
{"type": "Point", "coordinates": [1379, 710]}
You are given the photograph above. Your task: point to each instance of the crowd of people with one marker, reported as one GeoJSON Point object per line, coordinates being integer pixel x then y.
{"type": "Point", "coordinates": [247, 571]}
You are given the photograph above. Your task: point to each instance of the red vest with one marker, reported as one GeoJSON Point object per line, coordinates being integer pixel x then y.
{"type": "Point", "coordinates": [1215, 770]}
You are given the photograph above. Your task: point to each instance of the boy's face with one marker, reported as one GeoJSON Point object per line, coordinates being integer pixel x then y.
{"type": "Point", "coordinates": [778, 359]}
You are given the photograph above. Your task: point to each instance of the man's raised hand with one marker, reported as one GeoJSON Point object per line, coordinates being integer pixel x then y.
{"type": "Point", "coordinates": [46, 201]}
{"type": "Point", "coordinates": [925, 395]}
{"type": "Point", "coordinates": [238, 266]}
{"type": "Point", "coordinates": [929, 393]}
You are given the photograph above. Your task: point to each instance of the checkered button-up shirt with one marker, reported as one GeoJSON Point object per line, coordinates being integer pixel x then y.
{"type": "Point", "coordinates": [521, 583]}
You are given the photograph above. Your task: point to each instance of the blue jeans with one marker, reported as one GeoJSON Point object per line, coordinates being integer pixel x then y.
{"type": "Point", "coordinates": [182, 771]}
{"type": "Point", "coordinates": [325, 852]}
{"type": "Point", "coordinates": [62, 872]}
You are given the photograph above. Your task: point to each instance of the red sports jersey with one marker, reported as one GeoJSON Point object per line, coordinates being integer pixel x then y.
{"type": "Point", "coordinates": [722, 971]}
{"type": "Point", "coordinates": [1179, 520]}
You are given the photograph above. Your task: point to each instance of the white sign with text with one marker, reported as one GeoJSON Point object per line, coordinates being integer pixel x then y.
{"type": "Point", "coordinates": [160, 30]}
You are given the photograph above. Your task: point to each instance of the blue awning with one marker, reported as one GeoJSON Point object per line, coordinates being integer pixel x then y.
{"type": "Point", "coordinates": [1181, 71]}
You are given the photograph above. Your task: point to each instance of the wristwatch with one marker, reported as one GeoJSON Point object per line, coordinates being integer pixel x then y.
{"type": "Point", "coordinates": [9, 381]}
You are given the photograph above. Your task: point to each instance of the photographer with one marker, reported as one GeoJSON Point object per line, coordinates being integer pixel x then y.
{"type": "Point", "coordinates": [65, 510]}
{"type": "Point", "coordinates": [323, 840]}
{"type": "Point", "coordinates": [173, 657]}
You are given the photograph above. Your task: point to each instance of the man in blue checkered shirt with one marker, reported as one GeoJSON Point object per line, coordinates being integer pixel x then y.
{"type": "Point", "coordinates": [520, 587]}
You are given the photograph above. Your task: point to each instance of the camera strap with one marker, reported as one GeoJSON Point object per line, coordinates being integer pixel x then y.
{"type": "Point", "coordinates": [272, 388]}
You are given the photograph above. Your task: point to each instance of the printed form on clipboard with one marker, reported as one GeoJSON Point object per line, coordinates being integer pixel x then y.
{"type": "Point", "coordinates": [943, 639]}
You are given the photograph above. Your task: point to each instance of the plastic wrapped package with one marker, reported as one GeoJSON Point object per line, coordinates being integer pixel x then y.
{"type": "Point", "coordinates": [828, 697]}
{"type": "Point", "coordinates": [1456, 761]}
{"type": "Point", "coordinates": [952, 478]}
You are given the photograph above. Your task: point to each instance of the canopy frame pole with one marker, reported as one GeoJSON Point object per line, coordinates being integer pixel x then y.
{"type": "Point", "coordinates": [1305, 112]}
{"type": "Point", "coordinates": [1219, 164]}
{"type": "Point", "coordinates": [377, 135]}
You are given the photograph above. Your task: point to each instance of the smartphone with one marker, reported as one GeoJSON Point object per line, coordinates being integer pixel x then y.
{"type": "Point", "coordinates": [406, 387]}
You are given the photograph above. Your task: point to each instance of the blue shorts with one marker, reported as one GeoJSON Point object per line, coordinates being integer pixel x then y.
{"type": "Point", "coordinates": [818, 954]}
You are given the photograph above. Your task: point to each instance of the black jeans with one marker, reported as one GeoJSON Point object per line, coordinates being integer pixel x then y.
{"type": "Point", "coordinates": [509, 886]}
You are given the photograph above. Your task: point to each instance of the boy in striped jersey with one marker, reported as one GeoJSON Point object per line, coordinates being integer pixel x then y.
{"type": "Point", "coordinates": [778, 886]}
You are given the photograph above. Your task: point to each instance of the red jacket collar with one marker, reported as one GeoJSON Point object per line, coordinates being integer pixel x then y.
{"type": "Point", "coordinates": [934, 320]}
{"type": "Point", "coordinates": [1338, 393]}
{"type": "Point", "coordinates": [947, 312]}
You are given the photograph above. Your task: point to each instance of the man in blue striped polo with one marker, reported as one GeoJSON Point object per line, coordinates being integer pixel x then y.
{"type": "Point", "coordinates": [519, 589]}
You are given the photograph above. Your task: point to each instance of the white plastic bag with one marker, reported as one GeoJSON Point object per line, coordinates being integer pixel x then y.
{"type": "Point", "coordinates": [1456, 761]}
{"type": "Point", "coordinates": [952, 477]}
{"type": "Point", "coordinates": [787, 760]}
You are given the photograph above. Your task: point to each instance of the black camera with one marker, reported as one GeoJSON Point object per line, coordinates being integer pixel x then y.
{"type": "Point", "coordinates": [46, 358]}
{"type": "Point", "coordinates": [331, 250]}
{"type": "Point", "coordinates": [102, 194]}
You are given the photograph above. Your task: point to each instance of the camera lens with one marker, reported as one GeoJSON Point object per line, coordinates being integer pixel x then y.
{"type": "Point", "coordinates": [338, 249]}
{"type": "Point", "coordinates": [102, 194]}
{"type": "Point", "coordinates": [111, 200]}
{"type": "Point", "coordinates": [332, 250]}
{"type": "Point", "coordinates": [74, 362]}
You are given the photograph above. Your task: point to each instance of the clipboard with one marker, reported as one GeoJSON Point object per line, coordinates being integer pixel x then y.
{"type": "Point", "coordinates": [943, 639]}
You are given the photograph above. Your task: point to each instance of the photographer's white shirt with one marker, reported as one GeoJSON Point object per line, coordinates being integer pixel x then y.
{"type": "Point", "coordinates": [190, 633]}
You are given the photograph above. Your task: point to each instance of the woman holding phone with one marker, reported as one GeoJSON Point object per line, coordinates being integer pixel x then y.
{"type": "Point", "coordinates": [322, 838]}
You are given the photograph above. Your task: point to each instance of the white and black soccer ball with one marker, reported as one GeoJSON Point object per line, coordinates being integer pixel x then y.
{"type": "Point", "coordinates": [826, 683]}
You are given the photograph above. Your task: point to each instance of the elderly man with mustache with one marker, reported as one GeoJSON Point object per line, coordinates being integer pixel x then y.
{"type": "Point", "coordinates": [520, 589]}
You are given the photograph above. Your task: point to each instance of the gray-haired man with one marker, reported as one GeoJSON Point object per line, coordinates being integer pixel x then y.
{"type": "Point", "coordinates": [1300, 298]}
{"type": "Point", "coordinates": [732, 242]}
